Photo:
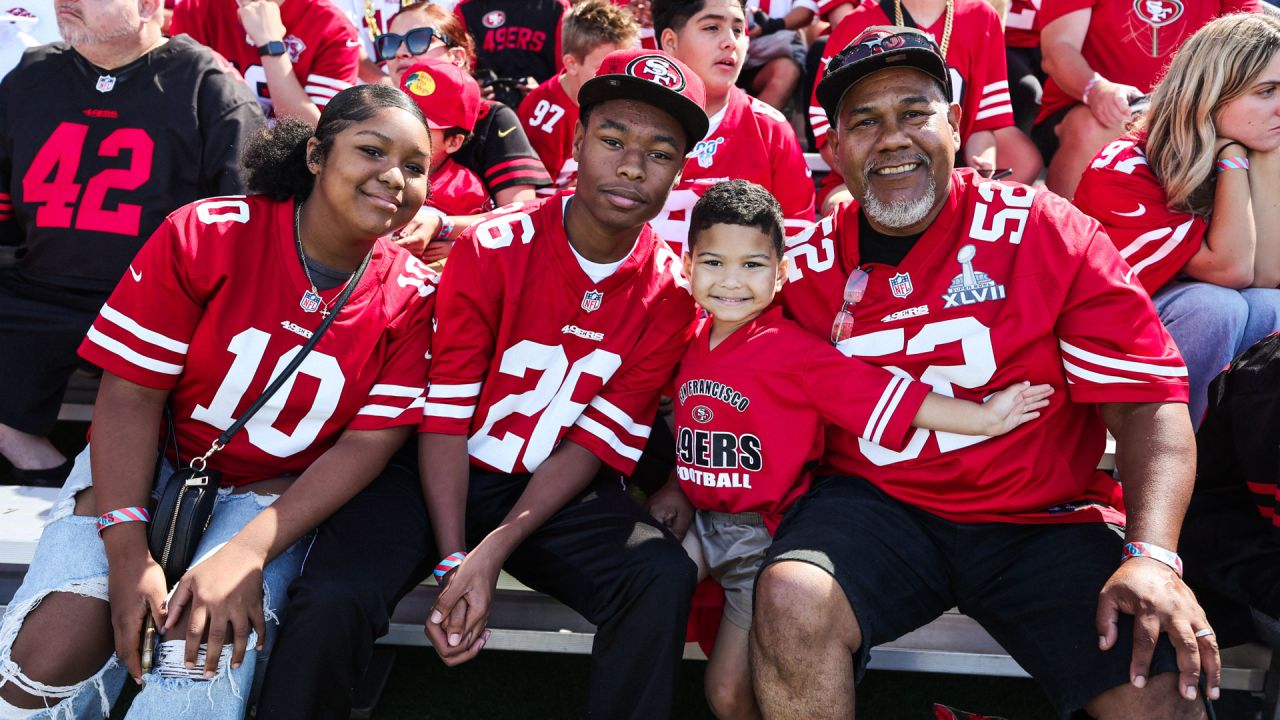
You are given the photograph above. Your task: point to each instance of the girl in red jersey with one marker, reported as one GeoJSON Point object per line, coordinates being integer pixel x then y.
{"type": "Point", "coordinates": [217, 302]}
{"type": "Point", "coordinates": [1189, 197]}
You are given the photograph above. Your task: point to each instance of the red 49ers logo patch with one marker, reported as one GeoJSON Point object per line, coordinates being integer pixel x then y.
{"type": "Point", "coordinates": [494, 19]}
{"type": "Point", "coordinates": [657, 69]}
{"type": "Point", "coordinates": [1158, 13]}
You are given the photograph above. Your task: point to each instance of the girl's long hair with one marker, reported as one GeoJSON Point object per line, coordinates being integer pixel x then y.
{"type": "Point", "coordinates": [1216, 65]}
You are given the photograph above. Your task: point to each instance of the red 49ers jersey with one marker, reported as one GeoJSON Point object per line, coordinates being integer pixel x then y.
{"type": "Point", "coordinates": [323, 44]}
{"type": "Point", "coordinates": [1119, 190]}
{"type": "Point", "coordinates": [751, 141]}
{"type": "Point", "coordinates": [975, 61]}
{"type": "Point", "coordinates": [750, 412]}
{"type": "Point", "coordinates": [456, 190]}
{"type": "Point", "coordinates": [1021, 25]}
{"type": "Point", "coordinates": [549, 116]}
{"type": "Point", "coordinates": [1008, 284]}
{"type": "Point", "coordinates": [209, 310]}
{"type": "Point", "coordinates": [531, 351]}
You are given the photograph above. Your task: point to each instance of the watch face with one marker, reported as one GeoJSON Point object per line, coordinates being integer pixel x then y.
{"type": "Point", "coordinates": [275, 47]}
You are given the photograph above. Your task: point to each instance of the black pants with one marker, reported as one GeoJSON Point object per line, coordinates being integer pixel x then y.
{"type": "Point", "coordinates": [601, 554]}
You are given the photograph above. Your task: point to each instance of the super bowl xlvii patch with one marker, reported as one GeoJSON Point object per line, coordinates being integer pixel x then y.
{"type": "Point", "coordinates": [591, 301]}
{"type": "Point", "coordinates": [900, 285]}
{"type": "Point", "coordinates": [970, 286]}
{"type": "Point", "coordinates": [106, 83]}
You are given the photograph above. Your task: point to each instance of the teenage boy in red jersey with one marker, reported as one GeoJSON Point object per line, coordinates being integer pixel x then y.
{"type": "Point", "coordinates": [753, 394]}
{"type": "Point", "coordinates": [748, 139]}
{"type": "Point", "coordinates": [974, 284]}
{"type": "Point", "coordinates": [560, 323]}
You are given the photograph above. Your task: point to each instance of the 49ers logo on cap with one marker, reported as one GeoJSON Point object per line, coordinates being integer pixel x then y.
{"type": "Point", "coordinates": [494, 19]}
{"type": "Point", "coordinates": [657, 69]}
{"type": "Point", "coordinates": [878, 41]}
{"type": "Point", "coordinates": [1158, 13]}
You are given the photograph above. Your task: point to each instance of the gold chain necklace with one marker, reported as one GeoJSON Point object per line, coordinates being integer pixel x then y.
{"type": "Point", "coordinates": [946, 25]}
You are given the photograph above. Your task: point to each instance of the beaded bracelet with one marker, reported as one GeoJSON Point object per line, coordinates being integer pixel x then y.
{"type": "Point", "coordinates": [1233, 163]}
{"type": "Point", "coordinates": [123, 515]}
{"type": "Point", "coordinates": [1152, 552]}
{"type": "Point", "coordinates": [447, 564]}
{"type": "Point", "coordinates": [1084, 97]}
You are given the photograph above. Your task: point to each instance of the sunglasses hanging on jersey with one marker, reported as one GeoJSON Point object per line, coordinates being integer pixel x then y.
{"type": "Point", "coordinates": [854, 288]}
{"type": "Point", "coordinates": [418, 40]}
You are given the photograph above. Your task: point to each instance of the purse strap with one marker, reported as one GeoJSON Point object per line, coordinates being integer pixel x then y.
{"type": "Point", "coordinates": [198, 463]}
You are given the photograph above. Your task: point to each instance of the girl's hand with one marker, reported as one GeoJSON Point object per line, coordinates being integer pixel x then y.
{"type": "Point", "coordinates": [1013, 406]}
{"type": "Point", "coordinates": [136, 587]}
{"type": "Point", "coordinates": [224, 589]}
{"type": "Point", "coordinates": [456, 625]}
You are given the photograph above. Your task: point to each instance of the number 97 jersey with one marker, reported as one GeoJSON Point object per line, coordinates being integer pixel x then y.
{"type": "Point", "coordinates": [1008, 283]}
{"type": "Point", "coordinates": [531, 351]}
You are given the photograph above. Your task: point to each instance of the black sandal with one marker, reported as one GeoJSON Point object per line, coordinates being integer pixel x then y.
{"type": "Point", "coordinates": [48, 477]}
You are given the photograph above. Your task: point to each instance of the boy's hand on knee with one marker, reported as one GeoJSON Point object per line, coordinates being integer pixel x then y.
{"type": "Point", "coordinates": [136, 587]}
{"type": "Point", "coordinates": [670, 507]}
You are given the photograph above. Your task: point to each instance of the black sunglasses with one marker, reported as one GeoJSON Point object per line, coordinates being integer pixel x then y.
{"type": "Point", "coordinates": [418, 40]}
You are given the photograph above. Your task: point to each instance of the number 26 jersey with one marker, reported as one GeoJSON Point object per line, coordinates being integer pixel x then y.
{"type": "Point", "coordinates": [1009, 283]}
{"type": "Point", "coordinates": [530, 351]}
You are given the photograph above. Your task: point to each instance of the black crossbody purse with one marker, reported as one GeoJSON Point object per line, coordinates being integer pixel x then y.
{"type": "Point", "coordinates": [183, 512]}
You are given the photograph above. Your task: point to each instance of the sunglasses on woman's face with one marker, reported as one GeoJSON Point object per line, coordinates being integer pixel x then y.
{"type": "Point", "coordinates": [417, 40]}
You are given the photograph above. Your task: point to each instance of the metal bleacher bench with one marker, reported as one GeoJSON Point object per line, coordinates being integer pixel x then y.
{"type": "Point", "coordinates": [529, 621]}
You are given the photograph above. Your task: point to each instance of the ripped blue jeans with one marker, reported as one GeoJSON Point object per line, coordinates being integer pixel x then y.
{"type": "Point", "coordinates": [71, 558]}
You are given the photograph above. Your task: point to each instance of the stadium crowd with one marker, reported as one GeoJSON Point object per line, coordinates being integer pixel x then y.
{"type": "Point", "coordinates": [687, 313]}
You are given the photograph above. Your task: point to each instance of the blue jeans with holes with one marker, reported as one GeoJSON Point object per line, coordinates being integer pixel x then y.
{"type": "Point", "coordinates": [1211, 325]}
{"type": "Point", "coordinates": [71, 558]}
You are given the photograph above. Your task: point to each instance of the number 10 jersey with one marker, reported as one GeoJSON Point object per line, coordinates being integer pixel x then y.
{"type": "Point", "coordinates": [1008, 283]}
{"type": "Point", "coordinates": [530, 351]}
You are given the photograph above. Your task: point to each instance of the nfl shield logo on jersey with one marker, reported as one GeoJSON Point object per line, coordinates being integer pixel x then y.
{"type": "Point", "coordinates": [106, 83]}
{"type": "Point", "coordinates": [591, 301]}
{"type": "Point", "coordinates": [900, 285]}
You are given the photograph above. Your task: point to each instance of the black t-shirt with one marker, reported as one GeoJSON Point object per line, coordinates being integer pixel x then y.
{"type": "Point", "coordinates": [91, 161]}
{"type": "Point", "coordinates": [876, 247]}
{"type": "Point", "coordinates": [515, 38]}
{"type": "Point", "coordinates": [499, 151]}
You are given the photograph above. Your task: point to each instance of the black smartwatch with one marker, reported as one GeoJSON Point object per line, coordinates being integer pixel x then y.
{"type": "Point", "coordinates": [273, 48]}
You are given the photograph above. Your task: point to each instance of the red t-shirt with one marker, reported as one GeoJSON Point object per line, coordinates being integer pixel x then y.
{"type": "Point", "coordinates": [531, 351]}
{"type": "Point", "coordinates": [456, 190]}
{"type": "Point", "coordinates": [1009, 283]}
{"type": "Point", "coordinates": [210, 311]}
{"type": "Point", "coordinates": [749, 141]}
{"type": "Point", "coordinates": [1022, 25]}
{"type": "Point", "coordinates": [323, 44]}
{"type": "Point", "coordinates": [979, 76]}
{"type": "Point", "coordinates": [749, 414]}
{"type": "Point", "coordinates": [1131, 41]}
{"type": "Point", "coordinates": [549, 116]}
{"type": "Point", "coordinates": [1119, 190]}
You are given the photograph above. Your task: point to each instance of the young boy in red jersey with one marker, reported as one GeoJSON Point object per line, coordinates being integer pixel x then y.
{"type": "Point", "coordinates": [753, 393]}
{"type": "Point", "coordinates": [450, 100]}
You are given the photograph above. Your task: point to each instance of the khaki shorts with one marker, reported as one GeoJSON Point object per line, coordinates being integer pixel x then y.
{"type": "Point", "coordinates": [733, 545]}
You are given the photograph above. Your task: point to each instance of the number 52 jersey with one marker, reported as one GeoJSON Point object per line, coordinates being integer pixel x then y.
{"type": "Point", "coordinates": [210, 310]}
{"type": "Point", "coordinates": [530, 351]}
{"type": "Point", "coordinates": [1007, 284]}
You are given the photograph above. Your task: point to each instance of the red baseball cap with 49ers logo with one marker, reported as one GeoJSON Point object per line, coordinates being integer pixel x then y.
{"type": "Point", "coordinates": [653, 77]}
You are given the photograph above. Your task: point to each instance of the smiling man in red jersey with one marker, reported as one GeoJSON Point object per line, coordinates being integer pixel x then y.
{"type": "Point", "coordinates": [748, 139]}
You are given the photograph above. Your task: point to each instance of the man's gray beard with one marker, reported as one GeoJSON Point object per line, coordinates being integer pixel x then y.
{"type": "Point", "coordinates": [77, 36]}
{"type": "Point", "coordinates": [900, 213]}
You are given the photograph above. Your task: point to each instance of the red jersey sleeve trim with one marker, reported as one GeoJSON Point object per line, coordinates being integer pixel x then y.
{"type": "Point", "coordinates": [892, 419]}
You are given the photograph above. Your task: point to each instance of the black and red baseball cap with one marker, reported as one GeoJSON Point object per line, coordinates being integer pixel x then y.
{"type": "Point", "coordinates": [877, 48]}
{"type": "Point", "coordinates": [653, 77]}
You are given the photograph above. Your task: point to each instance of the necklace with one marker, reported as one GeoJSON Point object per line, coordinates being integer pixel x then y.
{"type": "Point", "coordinates": [311, 300]}
{"type": "Point", "coordinates": [946, 25]}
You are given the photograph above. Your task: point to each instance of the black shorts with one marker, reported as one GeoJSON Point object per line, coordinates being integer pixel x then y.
{"type": "Point", "coordinates": [1026, 85]}
{"type": "Point", "coordinates": [39, 341]}
{"type": "Point", "coordinates": [1045, 134]}
{"type": "Point", "coordinates": [1231, 550]}
{"type": "Point", "coordinates": [1033, 587]}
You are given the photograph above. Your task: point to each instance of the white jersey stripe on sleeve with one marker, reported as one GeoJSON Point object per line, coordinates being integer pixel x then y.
{"type": "Point", "coordinates": [148, 336]}
{"type": "Point", "coordinates": [315, 79]}
{"type": "Point", "coordinates": [318, 91]}
{"type": "Point", "coordinates": [609, 437]}
{"type": "Point", "coordinates": [1094, 377]}
{"type": "Point", "coordinates": [1118, 364]}
{"type": "Point", "coordinates": [618, 415]}
{"type": "Point", "coordinates": [457, 412]}
{"type": "Point", "coordinates": [396, 390]}
{"type": "Point", "coordinates": [889, 410]}
{"type": "Point", "coordinates": [994, 99]}
{"type": "Point", "coordinates": [997, 85]}
{"type": "Point", "coordinates": [875, 413]}
{"type": "Point", "coordinates": [116, 347]}
{"type": "Point", "coordinates": [440, 390]}
{"type": "Point", "coordinates": [386, 411]}
{"type": "Point", "coordinates": [992, 112]}
{"type": "Point", "coordinates": [1163, 251]}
